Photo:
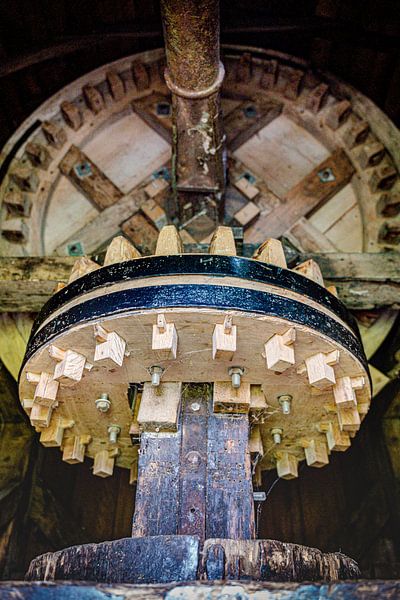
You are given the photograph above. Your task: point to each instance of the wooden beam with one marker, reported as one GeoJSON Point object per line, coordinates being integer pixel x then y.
{"type": "Point", "coordinates": [364, 280]}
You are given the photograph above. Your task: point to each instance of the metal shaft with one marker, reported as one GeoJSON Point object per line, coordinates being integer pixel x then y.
{"type": "Point", "coordinates": [194, 75]}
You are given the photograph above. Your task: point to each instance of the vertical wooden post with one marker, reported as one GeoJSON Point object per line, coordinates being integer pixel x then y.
{"type": "Point", "coordinates": [196, 481]}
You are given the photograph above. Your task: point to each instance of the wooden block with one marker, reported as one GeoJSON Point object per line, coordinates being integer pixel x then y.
{"type": "Point", "coordinates": [89, 179]}
{"type": "Point", "coordinates": [338, 114]}
{"type": "Point", "coordinates": [246, 188]}
{"type": "Point", "coordinates": [316, 97]}
{"type": "Point", "coordinates": [356, 134]}
{"type": "Point", "coordinates": [247, 215]}
{"type": "Point", "coordinates": [116, 85]}
{"type": "Point", "coordinates": [271, 252]}
{"type": "Point", "coordinates": [343, 391]}
{"type": "Point", "coordinates": [371, 154]}
{"type": "Point", "coordinates": [103, 465]}
{"type": "Point", "coordinates": [228, 399]}
{"type": "Point", "coordinates": [255, 443]}
{"type": "Point", "coordinates": [40, 416]}
{"type": "Point", "coordinates": [72, 115]}
{"type": "Point", "coordinates": [112, 346]}
{"type": "Point", "coordinates": [24, 177]}
{"type": "Point", "coordinates": [46, 390]}
{"type": "Point", "coordinates": [141, 233]}
{"type": "Point", "coordinates": [388, 204]}
{"type": "Point", "coordinates": [349, 419]}
{"type": "Point", "coordinates": [244, 68]}
{"type": "Point", "coordinates": [316, 453]}
{"type": "Point", "coordinates": [71, 365]}
{"type": "Point", "coordinates": [153, 211]}
{"type": "Point", "coordinates": [311, 270]}
{"type": "Point", "coordinates": [74, 448]}
{"type": "Point", "coordinates": [159, 407]}
{"type": "Point", "coordinates": [319, 370]}
{"type": "Point", "coordinates": [17, 203]}
{"type": "Point", "coordinates": [269, 74]}
{"type": "Point", "coordinates": [54, 134]}
{"type": "Point", "coordinates": [120, 250]}
{"type": "Point", "coordinates": [82, 266]}
{"type": "Point", "coordinates": [286, 466]}
{"type": "Point", "coordinates": [289, 81]}
{"type": "Point", "coordinates": [337, 440]}
{"type": "Point", "coordinates": [224, 339]}
{"type": "Point", "coordinates": [27, 404]}
{"type": "Point", "coordinates": [279, 351]}
{"type": "Point", "coordinates": [53, 434]}
{"type": "Point", "coordinates": [258, 402]}
{"type": "Point", "coordinates": [140, 76]}
{"type": "Point", "coordinates": [93, 98]}
{"type": "Point", "coordinates": [15, 230]}
{"type": "Point", "coordinates": [165, 339]}
{"type": "Point", "coordinates": [223, 242]}
{"type": "Point", "coordinates": [156, 187]}
{"type": "Point", "coordinates": [169, 241]}
{"type": "Point", "coordinates": [383, 177]}
{"type": "Point", "coordinates": [38, 155]}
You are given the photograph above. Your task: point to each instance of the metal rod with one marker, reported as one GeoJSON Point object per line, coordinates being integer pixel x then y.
{"type": "Point", "coordinates": [194, 75]}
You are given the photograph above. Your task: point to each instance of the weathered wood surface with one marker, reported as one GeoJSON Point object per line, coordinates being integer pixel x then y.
{"type": "Point", "coordinates": [162, 559]}
{"type": "Point", "coordinates": [364, 280]}
{"type": "Point", "coordinates": [356, 590]}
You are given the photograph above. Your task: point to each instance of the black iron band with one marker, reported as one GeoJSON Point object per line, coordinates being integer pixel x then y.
{"type": "Point", "coordinates": [197, 264]}
{"type": "Point", "coordinates": [197, 296]}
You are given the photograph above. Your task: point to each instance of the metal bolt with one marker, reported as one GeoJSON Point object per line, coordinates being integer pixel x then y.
{"type": "Point", "coordinates": [286, 403]}
{"type": "Point", "coordinates": [156, 373]}
{"type": "Point", "coordinates": [113, 433]}
{"type": "Point", "coordinates": [195, 406]}
{"type": "Point", "coordinates": [103, 403]}
{"type": "Point", "coordinates": [236, 373]}
{"type": "Point", "coordinates": [277, 435]}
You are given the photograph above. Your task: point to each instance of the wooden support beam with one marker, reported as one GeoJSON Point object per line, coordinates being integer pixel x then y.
{"type": "Point", "coordinates": [364, 280]}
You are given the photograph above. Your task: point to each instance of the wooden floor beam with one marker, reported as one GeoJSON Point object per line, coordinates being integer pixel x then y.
{"type": "Point", "coordinates": [364, 281]}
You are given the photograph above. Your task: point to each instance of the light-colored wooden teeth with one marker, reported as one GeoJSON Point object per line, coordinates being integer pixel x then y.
{"type": "Point", "coordinates": [40, 416]}
{"type": "Point", "coordinates": [72, 115]}
{"type": "Point", "coordinates": [93, 98]}
{"type": "Point", "coordinates": [104, 461]}
{"type": "Point", "coordinates": [52, 435]}
{"type": "Point", "coordinates": [24, 176]}
{"type": "Point", "coordinates": [169, 241]}
{"type": "Point", "coordinates": [109, 345]}
{"type": "Point", "coordinates": [227, 399]}
{"type": "Point", "coordinates": [271, 251]}
{"type": "Point", "coordinates": [286, 465]}
{"type": "Point", "coordinates": [82, 266]}
{"type": "Point", "coordinates": [223, 242]}
{"type": "Point", "coordinates": [164, 339]}
{"type": "Point", "coordinates": [316, 453]}
{"type": "Point", "coordinates": [116, 85]}
{"type": "Point", "coordinates": [17, 203]}
{"type": "Point", "coordinates": [46, 389]}
{"type": "Point", "coordinates": [74, 448]}
{"type": "Point", "coordinates": [337, 440]}
{"type": "Point", "coordinates": [349, 420]}
{"type": "Point", "coordinates": [70, 364]}
{"type": "Point", "coordinates": [38, 155]}
{"type": "Point", "coordinates": [343, 391]}
{"type": "Point", "coordinates": [224, 339]}
{"type": "Point", "coordinates": [54, 134]}
{"type": "Point", "coordinates": [159, 407]}
{"type": "Point", "coordinates": [15, 230]}
{"type": "Point", "coordinates": [120, 250]}
{"type": "Point", "coordinates": [279, 351]}
{"type": "Point", "coordinates": [319, 369]}
{"type": "Point", "coordinates": [311, 270]}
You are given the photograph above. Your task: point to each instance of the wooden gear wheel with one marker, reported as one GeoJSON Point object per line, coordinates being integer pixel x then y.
{"type": "Point", "coordinates": [110, 352]}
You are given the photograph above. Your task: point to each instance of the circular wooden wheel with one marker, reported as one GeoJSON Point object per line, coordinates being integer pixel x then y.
{"type": "Point", "coordinates": [149, 324]}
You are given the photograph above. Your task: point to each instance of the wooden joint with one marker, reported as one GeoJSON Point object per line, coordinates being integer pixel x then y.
{"type": "Point", "coordinates": [74, 448]}
{"type": "Point", "coordinates": [53, 434]}
{"type": "Point", "coordinates": [337, 440]}
{"type": "Point", "coordinates": [316, 452]}
{"type": "Point", "coordinates": [230, 400]}
{"type": "Point", "coordinates": [103, 465]}
{"type": "Point", "coordinates": [224, 339]}
{"type": "Point", "coordinates": [279, 351]}
{"type": "Point", "coordinates": [70, 364]}
{"type": "Point", "coordinates": [286, 465]}
{"type": "Point", "coordinates": [165, 338]}
{"type": "Point", "coordinates": [46, 389]}
{"type": "Point", "coordinates": [110, 345]}
{"type": "Point", "coordinates": [319, 369]}
{"type": "Point", "coordinates": [344, 393]}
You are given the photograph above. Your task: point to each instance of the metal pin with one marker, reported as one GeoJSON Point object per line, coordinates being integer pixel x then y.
{"type": "Point", "coordinates": [113, 433]}
{"type": "Point", "coordinates": [276, 435]}
{"type": "Point", "coordinates": [156, 373]}
{"type": "Point", "coordinates": [103, 403]}
{"type": "Point", "coordinates": [285, 400]}
{"type": "Point", "coordinates": [236, 374]}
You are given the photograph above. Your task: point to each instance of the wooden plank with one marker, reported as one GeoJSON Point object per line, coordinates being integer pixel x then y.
{"type": "Point", "coordinates": [363, 279]}
{"type": "Point", "coordinates": [89, 179]}
{"type": "Point", "coordinates": [311, 192]}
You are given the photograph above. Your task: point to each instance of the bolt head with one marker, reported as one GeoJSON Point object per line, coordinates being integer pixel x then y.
{"type": "Point", "coordinates": [102, 404]}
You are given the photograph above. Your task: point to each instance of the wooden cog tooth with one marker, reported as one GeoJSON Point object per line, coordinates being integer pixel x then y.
{"type": "Point", "coordinates": [40, 416]}
{"type": "Point", "coordinates": [17, 203]}
{"type": "Point", "coordinates": [311, 270]}
{"type": "Point", "coordinates": [169, 241]}
{"type": "Point", "coordinates": [53, 434]}
{"type": "Point", "coordinates": [337, 440]}
{"type": "Point", "coordinates": [319, 370]}
{"type": "Point", "coordinates": [224, 339]}
{"type": "Point", "coordinates": [286, 465]}
{"type": "Point", "coordinates": [71, 114]}
{"type": "Point", "coordinates": [94, 98]}
{"type": "Point", "coordinates": [46, 389]}
{"type": "Point", "coordinates": [71, 364]}
{"type": "Point", "coordinates": [343, 391]}
{"type": "Point", "coordinates": [223, 242]}
{"type": "Point", "coordinates": [104, 461]}
{"type": "Point", "coordinates": [74, 448]}
{"type": "Point", "coordinates": [164, 339]}
{"type": "Point", "coordinates": [159, 407]}
{"type": "Point", "coordinates": [110, 345]}
{"type": "Point", "coordinates": [349, 420]}
{"type": "Point", "coordinates": [82, 266]}
{"type": "Point", "coordinates": [24, 176]}
{"type": "Point", "coordinates": [54, 134]}
{"type": "Point", "coordinates": [15, 230]}
{"type": "Point", "coordinates": [316, 453]}
{"type": "Point", "coordinates": [279, 351]}
{"type": "Point", "coordinates": [120, 250]}
{"type": "Point", "coordinates": [271, 252]}
{"type": "Point", "coordinates": [116, 85]}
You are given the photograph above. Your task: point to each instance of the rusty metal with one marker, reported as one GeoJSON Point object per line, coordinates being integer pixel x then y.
{"type": "Point", "coordinates": [194, 75]}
